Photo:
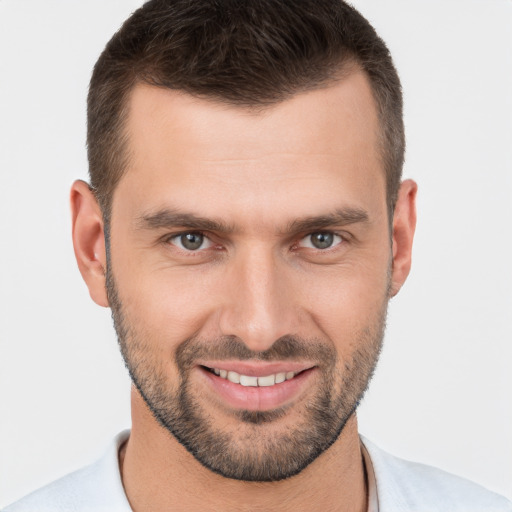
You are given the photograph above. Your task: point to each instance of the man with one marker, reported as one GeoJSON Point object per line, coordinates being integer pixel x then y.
{"type": "Point", "coordinates": [247, 224]}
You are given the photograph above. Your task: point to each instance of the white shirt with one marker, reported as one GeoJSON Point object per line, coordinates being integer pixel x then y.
{"type": "Point", "coordinates": [394, 485]}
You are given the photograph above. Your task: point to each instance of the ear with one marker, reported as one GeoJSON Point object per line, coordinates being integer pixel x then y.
{"type": "Point", "coordinates": [404, 224]}
{"type": "Point", "coordinates": [89, 240]}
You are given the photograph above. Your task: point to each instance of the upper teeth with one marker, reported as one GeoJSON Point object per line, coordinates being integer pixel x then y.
{"type": "Point", "coordinates": [247, 380]}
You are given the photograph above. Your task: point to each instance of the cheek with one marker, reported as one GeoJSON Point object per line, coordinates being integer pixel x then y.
{"type": "Point", "coordinates": [166, 306]}
{"type": "Point", "coordinates": [175, 304]}
{"type": "Point", "coordinates": [345, 303]}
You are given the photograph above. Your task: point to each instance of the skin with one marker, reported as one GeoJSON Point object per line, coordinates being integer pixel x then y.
{"type": "Point", "coordinates": [257, 173]}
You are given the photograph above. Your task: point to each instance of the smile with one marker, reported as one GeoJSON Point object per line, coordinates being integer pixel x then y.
{"type": "Point", "coordinates": [257, 387]}
{"type": "Point", "coordinates": [253, 381]}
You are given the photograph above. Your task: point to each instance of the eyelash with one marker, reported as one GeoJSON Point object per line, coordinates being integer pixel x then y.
{"type": "Point", "coordinates": [343, 238]}
{"type": "Point", "coordinates": [169, 240]}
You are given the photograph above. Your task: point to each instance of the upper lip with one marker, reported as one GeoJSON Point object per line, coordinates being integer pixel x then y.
{"type": "Point", "coordinates": [258, 368]}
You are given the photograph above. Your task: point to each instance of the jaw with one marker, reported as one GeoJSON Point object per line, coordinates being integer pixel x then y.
{"type": "Point", "coordinates": [151, 447]}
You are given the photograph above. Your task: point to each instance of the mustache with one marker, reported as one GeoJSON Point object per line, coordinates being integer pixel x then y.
{"type": "Point", "coordinates": [287, 347]}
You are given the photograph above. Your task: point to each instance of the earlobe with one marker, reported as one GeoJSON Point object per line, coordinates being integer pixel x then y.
{"type": "Point", "coordinates": [404, 225]}
{"type": "Point", "coordinates": [89, 240]}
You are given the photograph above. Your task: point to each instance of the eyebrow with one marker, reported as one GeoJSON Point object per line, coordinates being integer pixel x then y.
{"type": "Point", "coordinates": [168, 218]}
{"type": "Point", "coordinates": [171, 218]}
{"type": "Point", "coordinates": [340, 217]}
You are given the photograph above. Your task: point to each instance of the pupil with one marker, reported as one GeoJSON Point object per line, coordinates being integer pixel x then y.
{"type": "Point", "coordinates": [322, 240]}
{"type": "Point", "coordinates": [192, 241]}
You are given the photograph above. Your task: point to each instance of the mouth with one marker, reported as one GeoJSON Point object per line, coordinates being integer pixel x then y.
{"type": "Point", "coordinates": [252, 380]}
{"type": "Point", "coordinates": [256, 387]}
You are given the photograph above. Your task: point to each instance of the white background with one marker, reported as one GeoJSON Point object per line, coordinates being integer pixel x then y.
{"type": "Point", "coordinates": [442, 393]}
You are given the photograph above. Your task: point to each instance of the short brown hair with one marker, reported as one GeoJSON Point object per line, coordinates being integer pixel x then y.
{"type": "Point", "coordinates": [249, 53]}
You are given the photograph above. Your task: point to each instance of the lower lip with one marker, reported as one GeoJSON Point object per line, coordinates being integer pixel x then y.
{"type": "Point", "coordinates": [255, 398]}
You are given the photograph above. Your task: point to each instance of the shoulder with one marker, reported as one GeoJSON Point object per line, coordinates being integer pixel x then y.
{"type": "Point", "coordinates": [97, 488]}
{"type": "Point", "coordinates": [408, 486]}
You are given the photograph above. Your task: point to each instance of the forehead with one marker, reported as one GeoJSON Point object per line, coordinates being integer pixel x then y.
{"type": "Point", "coordinates": [346, 109]}
{"type": "Point", "coordinates": [319, 142]}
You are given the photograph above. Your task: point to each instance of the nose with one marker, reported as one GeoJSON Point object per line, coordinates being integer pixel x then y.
{"type": "Point", "coordinates": [259, 307]}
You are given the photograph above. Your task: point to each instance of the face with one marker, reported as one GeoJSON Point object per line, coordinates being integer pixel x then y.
{"type": "Point", "coordinates": [250, 269]}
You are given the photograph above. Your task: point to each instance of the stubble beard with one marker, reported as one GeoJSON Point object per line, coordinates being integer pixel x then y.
{"type": "Point", "coordinates": [255, 450]}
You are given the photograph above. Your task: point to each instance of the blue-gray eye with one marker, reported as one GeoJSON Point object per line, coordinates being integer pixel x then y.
{"type": "Point", "coordinates": [320, 240]}
{"type": "Point", "coordinates": [191, 241]}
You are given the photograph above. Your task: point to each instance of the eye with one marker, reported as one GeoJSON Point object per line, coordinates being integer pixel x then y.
{"type": "Point", "coordinates": [321, 240]}
{"type": "Point", "coordinates": [191, 241]}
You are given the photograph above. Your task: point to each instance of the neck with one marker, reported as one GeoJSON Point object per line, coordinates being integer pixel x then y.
{"type": "Point", "coordinates": [160, 474]}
